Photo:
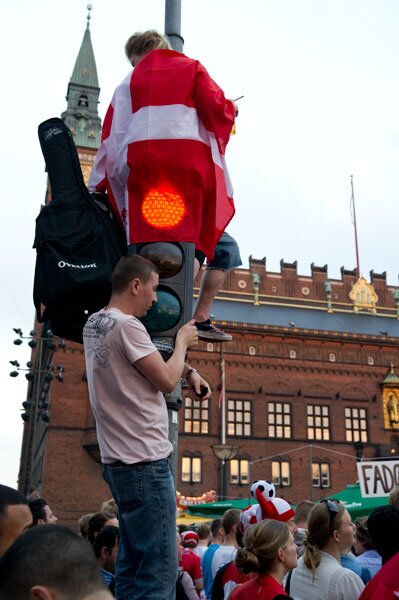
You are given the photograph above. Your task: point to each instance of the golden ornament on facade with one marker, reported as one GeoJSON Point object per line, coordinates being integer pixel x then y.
{"type": "Point", "coordinates": [86, 170]}
{"type": "Point", "coordinates": [363, 296]}
{"type": "Point", "coordinates": [390, 400]}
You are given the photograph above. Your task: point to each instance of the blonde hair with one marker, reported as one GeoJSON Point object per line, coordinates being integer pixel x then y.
{"type": "Point", "coordinates": [322, 523]}
{"type": "Point", "coordinates": [261, 544]}
{"type": "Point", "coordinates": [110, 507]}
{"type": "Point", "coordinates": [394, 496]}
{"type": "Point", "coordinates": [141, 43]}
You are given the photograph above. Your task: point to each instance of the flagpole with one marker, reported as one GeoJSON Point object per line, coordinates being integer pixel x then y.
{"type": "Point", "coordinates": [223, 398]}
{"type": "Point", "coordinates": [355, 226]}
{"type": "Point", "coordinates": [223, 465]}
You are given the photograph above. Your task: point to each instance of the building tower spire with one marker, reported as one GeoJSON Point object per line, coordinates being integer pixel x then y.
{"type": "Point", "coordinates": [89, 8]}
{"type": "Point", "coordinates": [81, 114]}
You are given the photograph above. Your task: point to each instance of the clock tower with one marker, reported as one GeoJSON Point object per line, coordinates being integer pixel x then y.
{"type": "Point", "coordinates": [59, 424]}
{"type": "Point", "coordinates": [81, 114]}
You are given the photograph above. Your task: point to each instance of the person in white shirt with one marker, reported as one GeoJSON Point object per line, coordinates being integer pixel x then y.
{"type": "Point", "coordinates": [319, 574]}
{"type": "Point", "coordinates": [228, 550]}
{"type": "Point", "coordinates": [204, 539]}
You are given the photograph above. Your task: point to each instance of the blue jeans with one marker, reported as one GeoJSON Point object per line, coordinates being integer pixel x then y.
{"type": "Point", "coordinates": [146, 567]}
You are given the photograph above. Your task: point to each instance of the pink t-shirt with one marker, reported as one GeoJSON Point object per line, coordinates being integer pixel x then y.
{"type": "Point", "coordinates": [131, 414]}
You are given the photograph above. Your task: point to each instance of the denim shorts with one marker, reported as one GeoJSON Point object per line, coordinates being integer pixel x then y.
{"type": "Point", "coordinates": [227, 254]}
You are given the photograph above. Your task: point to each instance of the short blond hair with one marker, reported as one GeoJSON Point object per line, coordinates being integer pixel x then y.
{"type": "Point", "coordinates": [141, 43]}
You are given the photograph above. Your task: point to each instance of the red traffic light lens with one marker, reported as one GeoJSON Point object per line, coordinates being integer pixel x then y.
{"type": "Point", "coordinates": [163, 209]}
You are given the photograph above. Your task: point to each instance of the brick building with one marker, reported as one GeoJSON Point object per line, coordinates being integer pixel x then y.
{"type": "Point", "coordinates": [310, 382]}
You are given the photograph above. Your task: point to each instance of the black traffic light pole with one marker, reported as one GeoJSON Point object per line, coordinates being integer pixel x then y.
{"type": "Point", "coordinates": [173, 24]}
{"type": "Point", "coordinates": [174, 308]}
{"type": "Point", "coordinates": [175, 262]}
{"type": "Point", "coordinates": [173, 31]}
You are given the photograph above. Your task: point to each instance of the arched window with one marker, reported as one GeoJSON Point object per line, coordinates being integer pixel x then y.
{"type": "Point", "coordinates": [321, 474]}
{"type": "Point", "coordinates": [191, 467]}
{"type": "Point", "coordinates": [239, 470]}
{"type": "Point", "coordinates": [281, 472]}
{"type": "Point", "coordinates": [83, 101]}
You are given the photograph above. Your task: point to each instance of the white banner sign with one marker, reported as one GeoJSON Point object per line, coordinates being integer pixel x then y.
{"type": "Point", "coordinates": [377, 478]}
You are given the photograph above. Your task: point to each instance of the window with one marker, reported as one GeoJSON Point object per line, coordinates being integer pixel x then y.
{"type": "Point", "coordinates": [83, 100]}
{"type": "Point", "coordinates": [318, 422]}
{"type": "Point", "coordinates": [239, 471]}
{"type": "Point", "coordinates": [279, 416]}
{"type": "Point", "coordinates": [252, 350]}
{"type": "Point", "coordinates": [320, 474]}
{"type": "Point", "coordinates": [209, 347]}
{"type": "Point", "coordinates": [191, 469]}
{"type": "Point", "coordinates": [238, 417]}
{"type": "Point", "coordinates": [332, 357]}
{"type": "Point", "coordinates": [356, 424]}
{"type": "Point", "coordinates": [196, 416]}
{"type": "Point", "coordinates": [292, 353]}
{"type": "Point", "coordinates": [281, 472]}
{"type": "Point", "coordinates": [370, 360]}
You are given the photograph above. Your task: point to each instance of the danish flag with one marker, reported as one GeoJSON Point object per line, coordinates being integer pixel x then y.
{"type": "Point", "coordinates": [162, 153]}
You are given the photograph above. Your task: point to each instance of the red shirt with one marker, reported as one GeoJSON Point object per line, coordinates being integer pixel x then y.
{"type": "Point", "coordinates": [385, 583]}
{"type": "Point", "coordinates": [232, 577]}
{"type": "Point", "coordinates": [263, 587]}
{"type": "Point", "coordinates": [191, 563]}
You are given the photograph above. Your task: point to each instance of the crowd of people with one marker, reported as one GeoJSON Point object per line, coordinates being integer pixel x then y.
{"type": "Point", "coordinates": [169, 121]}
{"type": "Point", "coordinates": [245, 555]}
{"type": "Point", "coordinates": [317, 553]}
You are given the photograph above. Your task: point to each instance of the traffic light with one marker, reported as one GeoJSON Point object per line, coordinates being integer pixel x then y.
{"type": "Point", "coordinates": [175, 262]}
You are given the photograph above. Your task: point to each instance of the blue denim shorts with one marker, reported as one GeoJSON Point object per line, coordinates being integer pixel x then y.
{"type": "Point", "coordinates": [227, 254]}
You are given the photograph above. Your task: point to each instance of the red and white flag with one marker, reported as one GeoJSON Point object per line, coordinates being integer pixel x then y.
{"type": "Point", "coordinates": [164, 137]}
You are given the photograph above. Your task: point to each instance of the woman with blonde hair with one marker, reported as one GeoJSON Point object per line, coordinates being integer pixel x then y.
{"type": "Point", "coordinates": [319, 574]}
{"type": "Point", "coordinates": [270, 552]}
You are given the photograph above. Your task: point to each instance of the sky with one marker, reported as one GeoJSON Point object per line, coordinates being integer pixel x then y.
{"type": "Point", "coordinates": [321, 98]}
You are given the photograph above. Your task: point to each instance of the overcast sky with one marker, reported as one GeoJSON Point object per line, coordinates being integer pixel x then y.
{"type": "Point", "coordinates": [321, 86]}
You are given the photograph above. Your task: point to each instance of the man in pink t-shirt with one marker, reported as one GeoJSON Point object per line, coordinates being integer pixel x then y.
{"type": "Point", "coordinates": [126, 379]}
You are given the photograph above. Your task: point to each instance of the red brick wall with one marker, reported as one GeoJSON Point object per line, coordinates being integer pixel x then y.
{"type": "Point", "coordinates": [72, 481]}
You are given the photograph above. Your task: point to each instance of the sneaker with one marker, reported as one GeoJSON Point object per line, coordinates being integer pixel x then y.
{"type": "Point", "coordinates": [208, 332]}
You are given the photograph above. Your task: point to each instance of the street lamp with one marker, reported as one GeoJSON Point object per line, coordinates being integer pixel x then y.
{"type": "Point", "coordinates": [224, 452]}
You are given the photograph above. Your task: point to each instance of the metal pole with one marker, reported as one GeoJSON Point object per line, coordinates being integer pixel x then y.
{"type": "Point", "coordinates": [173, 32]}
{"type": "Point", "coordinates": [355, 226]}
{"type": "Point", "coordinates": [173, 417]}
{"type": "Point", "coordinates": [311, 472]}
{"type": "Point", "coordinates": [224, 479]}
{"type": "Point", "coordinates": [223, 465]}
{"type": "Point", "coordinates": [173, 24]}
{"type": "Point", "coordinates": [223, 397]}
{"type": "Point", "coordinates": [34, 412]}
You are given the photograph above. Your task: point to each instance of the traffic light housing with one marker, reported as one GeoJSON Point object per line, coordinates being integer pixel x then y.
{"type": "Point", "coordinates": [175, 262]}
